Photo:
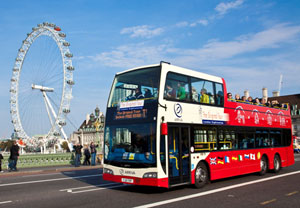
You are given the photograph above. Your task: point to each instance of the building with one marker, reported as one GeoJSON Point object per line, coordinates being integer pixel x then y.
{"type": "Point", "coordinates": [91, 130]}
{"type": "Point", "coordinates": [294, 103]}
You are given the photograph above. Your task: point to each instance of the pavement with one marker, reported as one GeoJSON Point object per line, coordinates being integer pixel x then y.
{"type": "Point", "coordinates": [48, 169]}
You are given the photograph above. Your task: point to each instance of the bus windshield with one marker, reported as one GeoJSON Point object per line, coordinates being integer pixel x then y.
{"type": "Point", "coordinates": [135, 85]}
{"type": "Point", "coordinates": [130, 145]}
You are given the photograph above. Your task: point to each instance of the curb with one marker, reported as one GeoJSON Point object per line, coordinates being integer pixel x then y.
{"type": "Point", "coordinates": [54, 169]}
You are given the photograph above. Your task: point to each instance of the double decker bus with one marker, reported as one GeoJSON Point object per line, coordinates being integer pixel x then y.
{"type": "Point", "coordinates": [168, 126]}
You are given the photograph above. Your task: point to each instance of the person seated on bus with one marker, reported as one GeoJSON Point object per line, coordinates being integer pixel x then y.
{"type": "Point", "coordinates": [256, 101]}
{"type": "Point", "coordinates": [229, 96]}
{"type": "Point", "coordinates": [195, 95]}
{"type": "Point", "coordinates": [211, 98]}
{"type": "Point", "coordinates": [181, 94]}
{"type": "Point", "coordinates": [237, 97]}
{"type": "Point", "coordinates": [244, 99]}
{"type": "Point", "coordinates": [170, 92]}
{"type": "Point", "coordinates": [249, 100]}
{"type": "Point", "coordinates": [275, 103]}
{"type": "Point", "coordinates": [138, 94]}
{"type": "Point", "coordinates": [264, 102]}
{"type": "Point", "coordinates": [220, 98]}
{"type": "Point", "coordinates": [148, 93]}
{"type": "Point", "coordinates": [204, 97]}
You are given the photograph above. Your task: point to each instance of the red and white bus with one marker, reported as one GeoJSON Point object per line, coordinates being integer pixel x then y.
{"type": "Point", "coordinates": [167, 126]}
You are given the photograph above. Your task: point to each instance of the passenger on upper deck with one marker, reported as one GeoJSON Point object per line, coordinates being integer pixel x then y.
{"type": "Point", "coordinates": [264, 102]}
{"type": "Point", "coordinates": [204, 97]}
{"type": "Point", "coordinates": [250, 99]}
{"type": "Point", "coordinates": [229, 96]}
{"type": "Point", "coordinates": [237, 97]}
{"type": "Point", "coordinates": [181, 94]}
{"type": "Point", "coordinates": [195, 95]}
{"type": "Point", "coordinates": [256, 101]}
{"type": "Point", "coordinates": [275, 103]}
{"type": "Point", "coordinates": [148, 93]}
{"type": "Point", "coordinates": [244, 99]}
{"type": "Point", "coordinates": [138, 94]}
{"type": "Point", "coordinates": [220, 98]}
{"type": "Point", "coordinates": [170, 92]}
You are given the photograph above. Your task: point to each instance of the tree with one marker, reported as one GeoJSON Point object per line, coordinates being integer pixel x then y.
{"type": "Point", "coordinates": [65, 146]}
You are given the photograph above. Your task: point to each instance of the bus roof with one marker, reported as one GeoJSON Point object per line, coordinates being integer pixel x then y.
{"type": "Point", "coordinates": [136, 68]}
{"type": "Point", "coordinates": [180, 70]}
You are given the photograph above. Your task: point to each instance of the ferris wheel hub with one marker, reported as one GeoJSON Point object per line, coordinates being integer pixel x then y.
{"type": "Point", "coordinates": [42, 88]}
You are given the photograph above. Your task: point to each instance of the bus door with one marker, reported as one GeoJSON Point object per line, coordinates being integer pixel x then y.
{"type": "Point", "coordinates": [179, 155]}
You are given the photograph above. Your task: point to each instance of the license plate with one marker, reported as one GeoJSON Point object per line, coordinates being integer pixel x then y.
{"type": "Point", "coordinates": [127, 180]}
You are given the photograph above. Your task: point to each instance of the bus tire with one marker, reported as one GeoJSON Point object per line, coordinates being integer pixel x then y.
{"type": "Point", "coordinates": [263, 166]}
{"type": "Point", "coordinates": [201, 175]}
{"type": "Point", "coordinates": [277, 164]}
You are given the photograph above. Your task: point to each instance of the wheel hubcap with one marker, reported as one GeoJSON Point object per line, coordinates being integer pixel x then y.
{"type": "Point", "coordinates": [200, 174]}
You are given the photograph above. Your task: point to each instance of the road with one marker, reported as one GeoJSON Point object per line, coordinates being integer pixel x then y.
{"type": "Point", "coordinates": [85, 188]}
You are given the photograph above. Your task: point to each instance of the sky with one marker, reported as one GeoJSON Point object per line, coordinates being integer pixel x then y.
{"type": "Point", "coordinates": [250, 43]}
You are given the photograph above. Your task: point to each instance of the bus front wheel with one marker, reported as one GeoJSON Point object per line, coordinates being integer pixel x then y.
{"type": "Point", "coordinates": [201, 175]}
{"type": "Point", "coordinates": [263, 166]}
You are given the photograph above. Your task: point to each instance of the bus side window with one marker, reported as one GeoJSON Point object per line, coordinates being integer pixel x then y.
{"type": "Point", "coordinates": [177, 87]}
{"type": "Point", "coordinates": [219, 94]}
{"type": "Point", "coordinates": [204, 89]}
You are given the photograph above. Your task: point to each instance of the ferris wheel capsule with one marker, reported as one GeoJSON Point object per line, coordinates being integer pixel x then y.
{"type": "Point", "coordinates": [70, 82]}
{"type": "Point", "coordinates": [69, 55]}
{"type": "Point", "coordinates": [56, 28]}
{"type": "Point", "coordinates": [63, 35]}
{"type": "Point", "coordinates": [66, 43]}
{"type": "Point", "coordinates": [70, 68]}
{"type": "Point", "coordinates": [66, 110]}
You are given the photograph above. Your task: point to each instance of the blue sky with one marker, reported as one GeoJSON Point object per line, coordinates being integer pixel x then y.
{"type": "Point", "coordinates": [249, 43]}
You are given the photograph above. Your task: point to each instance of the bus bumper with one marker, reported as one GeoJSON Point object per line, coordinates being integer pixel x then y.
{"type": "Point", "coordinates": [158, 182]}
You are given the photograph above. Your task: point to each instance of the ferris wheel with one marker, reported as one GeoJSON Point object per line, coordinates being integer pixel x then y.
{"type": "Point", "coordinates": [41, 84]}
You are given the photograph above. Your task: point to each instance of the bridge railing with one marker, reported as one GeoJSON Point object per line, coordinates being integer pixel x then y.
{"type": "Point", "coordinates": [41, 160]}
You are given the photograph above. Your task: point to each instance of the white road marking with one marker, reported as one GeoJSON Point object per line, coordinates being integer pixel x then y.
{"type": "Point", "coordinates": [97, 189]}
{"type": "Point", "coordinates": [27, 176]}
{"type": "Point", "coordinates": [83, 187]}
{"type": "Point", "coordinates": [215, 191]}
{"type": "Point", "coordinates": [5, 202]}
{"type": "Point", "coordinates": [48, 180]}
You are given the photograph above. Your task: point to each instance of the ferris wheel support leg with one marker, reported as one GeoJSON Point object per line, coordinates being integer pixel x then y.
{"type": "Point", "coordinates": [54, 115]}
{"type": "Point", "coordinates": [47, 108]}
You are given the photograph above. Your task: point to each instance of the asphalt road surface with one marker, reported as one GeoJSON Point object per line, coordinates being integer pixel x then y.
{"type": "Point", "coordinates": [85, 188]}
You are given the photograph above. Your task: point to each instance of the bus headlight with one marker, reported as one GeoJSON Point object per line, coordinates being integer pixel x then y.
{"type": "Point", "coordinates": [150, 175]}
{"type": "Point", "coordinates": [108, 171]}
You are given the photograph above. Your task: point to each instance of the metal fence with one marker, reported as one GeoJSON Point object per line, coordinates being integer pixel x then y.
{"type": "Point", "coordinates": [40, 160]}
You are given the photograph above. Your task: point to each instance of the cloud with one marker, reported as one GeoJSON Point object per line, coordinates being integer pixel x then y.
{"type": "Point", "coordinates": [202, 22]}
{"type": "Point", "coordinates": [223, 8]}
{"type": "Point", "coordinates": [269, 38]}
{"type": "Point", "coordinates": [143, 31]}
{"type": "Point", "coordinates": [214, 50]}
{"type": "Point", "coordinates": [131, 55]}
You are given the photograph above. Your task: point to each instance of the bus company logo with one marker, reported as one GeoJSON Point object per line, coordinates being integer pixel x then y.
{"type": "Point", "coordinates": [240, 114]}
{"type": "Point", "coordinates": [127, 172]}
{"type": "Point", "coordinates": [178, 110]}
{"type": "Point", "coordinates": [121, 171]}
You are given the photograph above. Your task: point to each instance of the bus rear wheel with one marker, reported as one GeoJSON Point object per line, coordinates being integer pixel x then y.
{"type": "Point", "coordinates": [263, 166]}
{"type": "Point", "coordinates": [277, 164]}
{"type": "Point", "coordinates": [201, 175]}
